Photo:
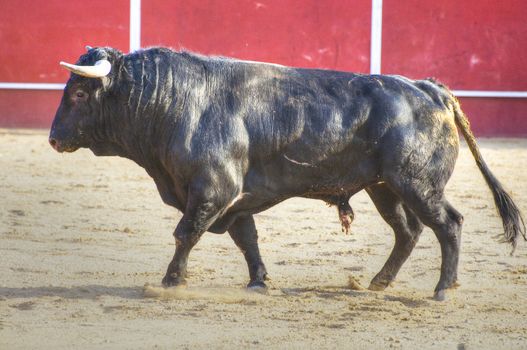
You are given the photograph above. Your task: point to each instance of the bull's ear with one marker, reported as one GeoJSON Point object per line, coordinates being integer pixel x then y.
{"type": "Point", "coordinates": [88, 47]}
{"type": "Point", "coordinates": [100, 69]}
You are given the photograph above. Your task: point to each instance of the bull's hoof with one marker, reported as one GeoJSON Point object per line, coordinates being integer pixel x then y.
{"type": "Point", "coordinates": [173, 281]}
{"type": "Point", "coordinates": [440, 295]}
{"type": "Point", "coordinates": [257, 287]}
{"type": "Point", "coordinates": [378, 286]}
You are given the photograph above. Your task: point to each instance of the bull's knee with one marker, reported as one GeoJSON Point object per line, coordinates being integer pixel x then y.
{"type": "Point", "coordinates": [185, 239]}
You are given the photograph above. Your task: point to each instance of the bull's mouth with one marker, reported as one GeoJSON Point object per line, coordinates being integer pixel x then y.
{"type": "Point", "coordinates": [69, 149]}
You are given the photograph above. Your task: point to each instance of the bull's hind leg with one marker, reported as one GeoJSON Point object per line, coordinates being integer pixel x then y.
{"type": "Point", "coordinates": [405, 225]}
{"type": "Point", "coordinates": [449, 235]}
{"type": "Point", "coordinates": [435, 212]}
{"type": "Point", "coordinates": [243, 232]}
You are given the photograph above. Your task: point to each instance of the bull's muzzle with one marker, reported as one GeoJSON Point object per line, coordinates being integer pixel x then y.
{"type": "Point", "coordinates": [61, 146]}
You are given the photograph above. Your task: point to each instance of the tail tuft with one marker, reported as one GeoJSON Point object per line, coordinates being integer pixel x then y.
{"type": "Point", "coordinates": [513, 223]}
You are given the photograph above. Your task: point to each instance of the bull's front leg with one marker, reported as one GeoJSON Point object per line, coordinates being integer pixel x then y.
{"type": "Point", "coordinates": [243, 232]}
{"type": "Point", "coordinates": [201, 211]}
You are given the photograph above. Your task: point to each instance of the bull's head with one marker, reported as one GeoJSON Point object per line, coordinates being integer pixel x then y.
{"type": "Point", "coordinates": [82, 102]}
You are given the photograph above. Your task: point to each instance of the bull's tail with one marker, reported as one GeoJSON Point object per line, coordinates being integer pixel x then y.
{"type": "Point", "coordinates": [513, 223]}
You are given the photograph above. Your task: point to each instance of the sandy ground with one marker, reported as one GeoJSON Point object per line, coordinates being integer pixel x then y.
{"type": "Point", "coordinates": [80, 236]}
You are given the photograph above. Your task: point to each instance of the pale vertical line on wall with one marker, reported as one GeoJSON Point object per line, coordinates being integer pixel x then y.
{"type": "Point", "coordinates": [135, 25]}
{"type": "Point", "coordinates": [376, 37]}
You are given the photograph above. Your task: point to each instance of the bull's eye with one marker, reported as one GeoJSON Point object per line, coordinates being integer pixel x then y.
{"type": "Point", "coordinates": [81, 94]}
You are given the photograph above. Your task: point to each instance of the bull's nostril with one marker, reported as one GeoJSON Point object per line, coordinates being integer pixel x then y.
{"type": "Point", "coordinates": [52, 142]}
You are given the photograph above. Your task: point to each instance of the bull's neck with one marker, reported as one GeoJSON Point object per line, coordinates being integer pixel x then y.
{"type": "Point", "coordinates": [141, 135]}
{"type": "Point", "coordinates": [147, 103]}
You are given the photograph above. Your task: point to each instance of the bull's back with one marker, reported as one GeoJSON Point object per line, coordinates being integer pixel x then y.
{"type": "Point", "coordinates": [313, 112]}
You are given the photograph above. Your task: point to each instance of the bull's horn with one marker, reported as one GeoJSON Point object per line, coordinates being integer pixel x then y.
{"type": "Point", "coordinates": [100, 69]}
{"type": "Point", "coordinates": [88, 47]}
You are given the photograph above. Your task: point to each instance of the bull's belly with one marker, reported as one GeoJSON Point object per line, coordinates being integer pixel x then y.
{"type": "Point", "coordinates": [335, 177]}
{"type": "Point", "coordinates": [254, 201]}
{"type": "Point", "coordinates": [250, 205]}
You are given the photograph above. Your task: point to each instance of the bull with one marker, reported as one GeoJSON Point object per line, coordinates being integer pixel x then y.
{"type": "Point", "coordinates": [224, 139]}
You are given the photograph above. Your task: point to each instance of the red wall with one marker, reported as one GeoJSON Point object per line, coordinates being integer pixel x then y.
{"type": "Point", "coordinates": [469, 45]}
{"type": "Point", "coordinates": [35, 36]}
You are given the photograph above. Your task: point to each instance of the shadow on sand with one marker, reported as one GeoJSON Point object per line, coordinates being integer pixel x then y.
{"type": "Point", "coordinates": [75, 292]}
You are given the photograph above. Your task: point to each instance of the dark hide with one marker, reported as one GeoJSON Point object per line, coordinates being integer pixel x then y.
{"type": "Point", "coordinates": [224, 139]}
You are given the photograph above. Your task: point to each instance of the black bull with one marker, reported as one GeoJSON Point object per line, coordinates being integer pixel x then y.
{"type": "Point", "coordinates": [224, 139]}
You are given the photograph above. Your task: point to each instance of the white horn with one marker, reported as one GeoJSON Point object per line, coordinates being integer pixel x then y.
{"type": "Point", "coordinates": [100, 69]}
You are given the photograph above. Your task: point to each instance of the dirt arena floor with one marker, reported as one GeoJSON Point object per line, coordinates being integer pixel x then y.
{"type": "Point", "coordinates": [80, 237]}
